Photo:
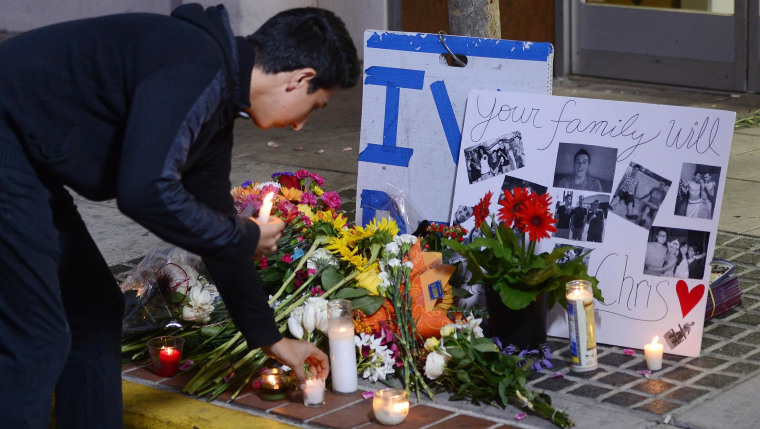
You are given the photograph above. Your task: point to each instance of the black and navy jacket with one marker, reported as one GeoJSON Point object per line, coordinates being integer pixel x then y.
{"type": "Point", "coordinates": [140, 107]}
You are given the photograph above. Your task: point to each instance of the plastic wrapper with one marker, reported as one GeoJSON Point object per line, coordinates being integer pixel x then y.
{"type": "Point", "coordinates": [169, 288]}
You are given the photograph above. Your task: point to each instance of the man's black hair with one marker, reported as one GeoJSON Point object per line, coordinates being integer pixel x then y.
{"type": "Point", "coordinates": [308, 37]}
{"type": "Point", "coordinates": [582, 152]}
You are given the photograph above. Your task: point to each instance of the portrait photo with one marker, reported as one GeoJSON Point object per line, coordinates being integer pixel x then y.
{"type": "Point", "coordinates": [639, 195]}
{"type": "Point", "coordinates": [697, 190]}
{"type": "Point", "coordinates": [580, 216]}
{"type": "Point", "coordinates": [585, 167]}
{"type": "Point", "coordinates": [494, 157]}
{"type": "Point", "coordinates": [674, 252]}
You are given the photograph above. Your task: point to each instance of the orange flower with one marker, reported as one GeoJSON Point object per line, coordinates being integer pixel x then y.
{"type": "Point", "coordinates": [512, 204]}
{"type": "Point", "coordinates": [291, 194]}
{"type": "Point", "coordinates": [536, 220]}
{"type": "Point", "coordinates": [480, 210]}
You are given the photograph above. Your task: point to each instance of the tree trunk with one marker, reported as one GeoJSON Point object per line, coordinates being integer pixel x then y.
{"type": "Point", "coordinates": [474, 18]}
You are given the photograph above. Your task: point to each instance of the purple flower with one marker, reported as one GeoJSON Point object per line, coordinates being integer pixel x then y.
{"type": "Point", "coordinates": [332, 199]}
{"type": "Point", "coordinates": [186, 365]}
{"type": "Point", "coordinates": [246, 184]}
{"type": "Point", "coordinates": [302, 174]}
{"type": "Point", "coordinates": [318, 179]}
{"type": "Point", "coordinates": [281, 173]}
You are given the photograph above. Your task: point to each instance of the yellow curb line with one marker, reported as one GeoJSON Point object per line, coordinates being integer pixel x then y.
{"type": "Point", "coordinates": [147, 408]}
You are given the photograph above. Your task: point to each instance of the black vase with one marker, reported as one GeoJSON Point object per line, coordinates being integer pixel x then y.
{"type": "Point", "coordinates": [524, 328]}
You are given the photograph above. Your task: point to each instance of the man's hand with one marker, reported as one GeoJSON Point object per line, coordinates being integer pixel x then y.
{"type": "Point", "coordinates": [270, 232]}
{"type": "Point", "coordinates": [294, 353]}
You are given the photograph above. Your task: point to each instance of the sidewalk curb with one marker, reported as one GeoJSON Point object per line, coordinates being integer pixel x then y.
{"type": "Point", "coordinates": [147, 407]}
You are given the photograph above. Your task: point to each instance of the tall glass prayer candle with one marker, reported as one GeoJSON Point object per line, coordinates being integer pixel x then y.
{"type": "Point", "coordinates": [580, 315]}
{"type": "Point", "coordinates": [340, 331]}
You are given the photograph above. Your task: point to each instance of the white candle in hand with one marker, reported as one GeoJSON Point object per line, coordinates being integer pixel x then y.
{"type": "Point", "coordinates": [266, 208]}
{"type": "Point", "coordinates": [314, 392]}
{"type": "Point", "coordinates": [653, 355]}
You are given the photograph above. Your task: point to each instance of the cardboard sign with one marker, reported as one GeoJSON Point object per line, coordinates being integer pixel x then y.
{"type": "Point", "coordinates": [639, 185]}
{"type": "Point", "coordinates": [412, 112]}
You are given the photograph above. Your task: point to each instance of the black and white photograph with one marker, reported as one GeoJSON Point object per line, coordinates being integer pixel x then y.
{"type": "Point", "coordinates": [494, 157]}
{"type": "Point", "coordinates": [581, 216]}
{"type": "Point", "coordinates": [639, 195]}
{"type": "Point", "coordinates": [510, 183]}
{"type": "Point", "coordinates": [462, 214]}
{"type": "Point", "coordinates": [696, 191]}
{"type": "Point", "coordinates": [573, 253]}
{"type": "Point", "coordinates": [585, 167]}
{"type": "Point", "coordinates": [674, 252]}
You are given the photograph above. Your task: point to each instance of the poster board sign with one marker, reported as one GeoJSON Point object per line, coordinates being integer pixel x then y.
{"type": "Point", "coordinates": [638, 184]}
{"type": "Point", "coordinates": [412, 112]}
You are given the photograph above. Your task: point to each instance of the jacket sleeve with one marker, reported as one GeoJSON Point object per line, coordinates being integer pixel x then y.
{"type": "Point", "coordinates": [236, 279]}
{"type": "Point", "coordinates": [155, 181]}
{"type": "Point", "coordinates": [167, 112]}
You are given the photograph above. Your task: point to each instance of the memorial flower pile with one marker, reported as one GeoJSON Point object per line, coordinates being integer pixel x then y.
{"type": "Point", "coordinates": [320, 257]}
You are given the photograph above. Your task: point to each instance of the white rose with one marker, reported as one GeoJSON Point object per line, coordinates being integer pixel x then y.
{"type": "Point", "coordinates": [192, 314]}
{"type": "Point", "coordinates": [434, 365]}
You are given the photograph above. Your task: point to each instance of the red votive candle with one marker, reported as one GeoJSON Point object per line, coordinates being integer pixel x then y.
{"type": "Point", "coordinates": [166, 353]}
{"type": "Point", "coordinates": [168, 362]}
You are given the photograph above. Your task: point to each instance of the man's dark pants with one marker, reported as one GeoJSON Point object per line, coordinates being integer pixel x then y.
{"type": "Point", "coordinates": [60, 308]}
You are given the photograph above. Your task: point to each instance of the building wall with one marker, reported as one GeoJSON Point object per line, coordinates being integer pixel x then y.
{"type": "Point", "coordinates": [245, 15]}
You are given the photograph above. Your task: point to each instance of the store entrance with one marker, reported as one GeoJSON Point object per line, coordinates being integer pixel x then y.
{"type": "Point", "coordinates": [711, 44]}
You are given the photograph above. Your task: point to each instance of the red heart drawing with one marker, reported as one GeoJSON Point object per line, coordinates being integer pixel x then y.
{"type": "Point", "coordinates": [688, 298]}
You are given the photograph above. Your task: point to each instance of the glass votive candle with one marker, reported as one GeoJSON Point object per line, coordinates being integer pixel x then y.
{"type": "Point", "coordinates": [274, 384]}
{"type": "Point", "coordinates": [166, 352]}
{"type": "Point", "coordinates": [314, 392]}
{"type": "Point", "coordinates": [391, 406]}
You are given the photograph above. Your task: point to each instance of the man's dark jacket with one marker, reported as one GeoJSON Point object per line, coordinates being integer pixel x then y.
{"type": "Point", "coordinates": [140, 108]}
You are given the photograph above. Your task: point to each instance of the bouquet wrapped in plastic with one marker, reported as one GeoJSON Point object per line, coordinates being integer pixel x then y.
{"type": "Point", "coordinates": [166, 290]}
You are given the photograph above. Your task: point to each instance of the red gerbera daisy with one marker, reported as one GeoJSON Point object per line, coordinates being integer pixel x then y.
{"type": "Point", "coordinates": [480, 210]}
{"type": "Point", "coordinates": [511, 205]}
{"type": "Point", "coordinates": [536, 220]}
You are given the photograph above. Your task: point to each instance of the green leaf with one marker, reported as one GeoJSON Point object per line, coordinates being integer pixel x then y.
{"type": "Point", "coordinates": [484, 345]}
{"type": "Point", "coordinates": [463, 376]}
{"type": "Point", "coordinates": [330, 277]}
{"type": "Point", "coordinates": [516, 299]}
{"type": "Point", "coordinates": [368, 304]}
{"type": "Point", "coordinates": [351, 293]}
{"type": "Point", "coordinates": [456, 352]}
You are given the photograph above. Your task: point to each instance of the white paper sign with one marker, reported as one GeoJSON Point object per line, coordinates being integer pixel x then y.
{"type": "Point", "coordinates": [412, 112]}
{"type": "Point", "coordinates": [640, 184]}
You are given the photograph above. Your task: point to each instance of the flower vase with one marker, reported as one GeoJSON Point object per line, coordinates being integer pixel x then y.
{"type": "Point", "coordinates": [524, 328]}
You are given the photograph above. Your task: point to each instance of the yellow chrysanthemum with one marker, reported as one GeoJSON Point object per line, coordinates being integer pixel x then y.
{"type": "Point", "coordinates": [317, 190]}
{"type": "Point", "coordinates": [339, 222]}
{"type": "Point", "coordinates": [339, 247]}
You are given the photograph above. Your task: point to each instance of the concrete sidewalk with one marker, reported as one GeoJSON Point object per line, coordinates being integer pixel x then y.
{"type": "Point", "coordinates": [706, 392]}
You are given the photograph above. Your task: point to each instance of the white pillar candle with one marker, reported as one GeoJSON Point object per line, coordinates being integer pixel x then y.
{"type": "Point", "coordinates": [266, 208]}
{"type": "Point", "coordinates": [653, 354]}
{"type": "Point", "coordinates": [314, 392]}
{"type": "Point", "coordinates": [343, 360]}
{"type": "Point", "coordinates": [340, 332]}
{"type": "Point", "coordinates": [391, 406]}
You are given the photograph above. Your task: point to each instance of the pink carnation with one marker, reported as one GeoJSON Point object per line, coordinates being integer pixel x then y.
{"type": "Point", "coordinates": [287, 258]}
{"type": "Point", "coordinates": [332, 199]}
{"type": "Point", "coordinates": [263, 263]}
{"type": "Point", "coordinates": [318, 179]}
{"type": "Point", "coordinates": [302, 174]}
{"type": "Point", "coordinates": [309, 198]}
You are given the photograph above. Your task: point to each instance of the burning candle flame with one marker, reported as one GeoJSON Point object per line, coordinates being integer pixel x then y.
{"type": "Point", "coordinates": [654, 341]}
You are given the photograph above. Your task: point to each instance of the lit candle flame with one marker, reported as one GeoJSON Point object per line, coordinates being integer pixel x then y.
{"type": "Point", "coordinates": [266, 208]}
{"type": "Point", "coordinates": [654, 341]}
